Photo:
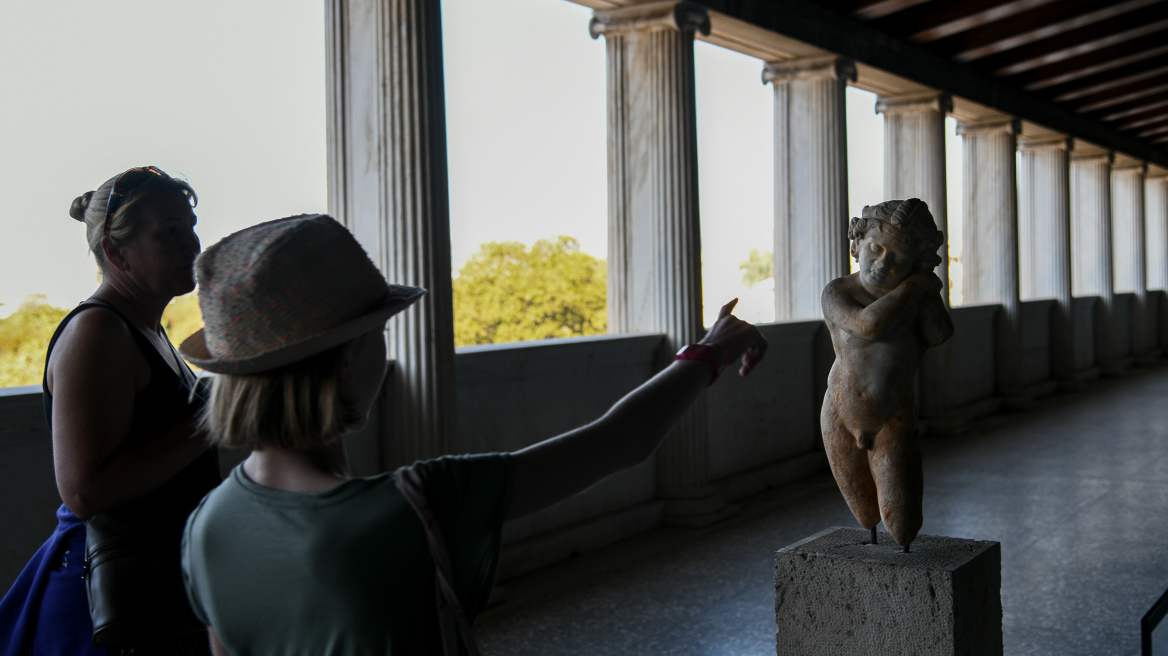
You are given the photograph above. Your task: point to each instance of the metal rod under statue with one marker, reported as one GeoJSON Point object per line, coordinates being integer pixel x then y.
{"type": "Point", "coordinates": [882, 319]}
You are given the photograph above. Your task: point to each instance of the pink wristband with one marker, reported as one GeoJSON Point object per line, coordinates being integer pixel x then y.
{"type": "Point", "coordinates": [703, 353]}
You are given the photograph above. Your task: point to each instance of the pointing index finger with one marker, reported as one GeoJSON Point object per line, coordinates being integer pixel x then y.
{"type": "Point", "coordinates": [727, 308]}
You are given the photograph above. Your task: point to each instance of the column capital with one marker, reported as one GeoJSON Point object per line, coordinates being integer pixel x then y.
{"type": "Point", "coordinates": [1004, 124]}
{"type": "Point", "coordinates": [1048, 142]}
{"type": "Point", "coordinates": [1156, 172]}
{"type": "Point", "coordinates": [919, 102]}
{"type": "Point", "coordinates": [1126, 164]}
{"type": "Point", "coordinates": [672, 15]}
{"type": "Point", "coordinates": [830, 66]}
{"type": "Point", "coordinates": [1093, 156]}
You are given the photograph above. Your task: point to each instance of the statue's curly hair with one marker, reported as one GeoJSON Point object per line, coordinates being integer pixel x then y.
{"type": "Point", "coordinates": [912, 216]}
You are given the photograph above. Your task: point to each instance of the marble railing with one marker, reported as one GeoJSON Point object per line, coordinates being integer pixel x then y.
{"type": "Point", "coordinates": [763, 430]}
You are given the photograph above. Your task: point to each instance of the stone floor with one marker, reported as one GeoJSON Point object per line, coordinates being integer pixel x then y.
{"type": "Point", "coordinates": [1076, 490]}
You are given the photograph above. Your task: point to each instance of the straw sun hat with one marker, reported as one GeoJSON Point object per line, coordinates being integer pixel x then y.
{"type": "Point", "coordinates": [280, 291]}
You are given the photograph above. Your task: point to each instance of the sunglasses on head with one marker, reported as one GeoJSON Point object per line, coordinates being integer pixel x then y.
{"type": "Point", "coordinates": [128, 181]}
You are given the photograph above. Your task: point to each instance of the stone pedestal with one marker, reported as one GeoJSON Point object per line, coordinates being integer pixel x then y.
{"type": "Point", "coordinates": [811, 181]}
{"type": "Point", "coordinates": [836, 594]}
{"type": "Point", "coordinates": [654, 235]}
{"type": "Point", "coordinates": [388, 185]}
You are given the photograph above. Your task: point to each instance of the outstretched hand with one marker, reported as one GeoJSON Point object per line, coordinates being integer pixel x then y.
{"type": "Point", "coordinates": [731, 337]}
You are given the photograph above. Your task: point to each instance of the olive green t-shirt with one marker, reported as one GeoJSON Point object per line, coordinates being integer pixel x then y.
{"type": "Point", "coordinates": [345, 571]}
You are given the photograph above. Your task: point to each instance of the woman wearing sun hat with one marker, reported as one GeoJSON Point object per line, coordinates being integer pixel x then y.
{"type": "Point", "coordinates": [118, 401]}
{"type": "Point", "coordinates": [290, 555]}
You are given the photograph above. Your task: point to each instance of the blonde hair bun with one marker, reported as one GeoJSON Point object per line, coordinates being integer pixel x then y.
{"type": "Point", "coordinates": [80, 205]}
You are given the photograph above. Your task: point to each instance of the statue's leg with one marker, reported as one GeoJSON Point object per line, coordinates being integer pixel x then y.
{"type": "Point", "coordinates": [896, 466]}
{"type": "Point", "coordinates": [849, 464]}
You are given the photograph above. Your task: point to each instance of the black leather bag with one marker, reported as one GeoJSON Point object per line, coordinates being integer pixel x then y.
{"type": "Point", "coordinates": [134, 580]}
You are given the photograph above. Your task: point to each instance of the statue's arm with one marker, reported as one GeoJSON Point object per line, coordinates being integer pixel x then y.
{"type": "Point", "coordinates": [934, 320]}
{"type": "Point", "coordinates": [843, 310]}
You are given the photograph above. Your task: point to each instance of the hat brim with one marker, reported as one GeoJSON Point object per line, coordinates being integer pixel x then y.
{"type": "Point", "coordinates": [194, 348]}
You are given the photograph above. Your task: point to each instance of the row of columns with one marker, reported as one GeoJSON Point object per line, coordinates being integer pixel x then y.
{"type": "Point", "coordinates": [387, 176]}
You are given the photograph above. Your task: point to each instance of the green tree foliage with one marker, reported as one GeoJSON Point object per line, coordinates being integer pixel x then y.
{"type": "Point", "coordinates": [182, 317]}
{"type": "Point", "coordinates": [25, 335]}
{"type": "Point", "coordinates": [757, 267]}
{"type": "Point", "coordinates": [508, 292]}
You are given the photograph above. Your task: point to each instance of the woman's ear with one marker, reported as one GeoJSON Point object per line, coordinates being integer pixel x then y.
{"type": "Point", "coordinates": [113, 254]}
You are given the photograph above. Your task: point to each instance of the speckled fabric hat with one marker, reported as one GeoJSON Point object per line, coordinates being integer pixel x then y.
{"type": "Point", "coordinates": [280, 291]}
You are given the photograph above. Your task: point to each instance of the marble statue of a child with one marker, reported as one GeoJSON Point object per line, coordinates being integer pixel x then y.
{"type": "Point", "coordinates": [882, 319]}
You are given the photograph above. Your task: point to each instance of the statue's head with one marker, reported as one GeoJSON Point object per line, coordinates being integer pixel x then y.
{"type": "Point", "coordinates": [893, 240]}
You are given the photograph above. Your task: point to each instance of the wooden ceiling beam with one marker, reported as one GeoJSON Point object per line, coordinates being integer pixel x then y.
{"type": "Point", "coordinates": [1150, 104]}
{"type": "Point", "coordinates": [1037, 25]}
{"type": "Point", "coordinates": [810, 23]}
{"type": "Point", "coordinates": [1153, 132]}
{"type": "Point", "coordinates": [1147, 120]}
{"type": "Point", "coordinates": [1124, 98]}
{"type": "Point", "coordinates": [1099, 65]}
{"type": "Point", "coordinates": [1113, 83]}
{"type": "Point", "coordinates": [1072, 44]}
{"type": "Point", "coordinates": [930, 22]}
{"type": "Point", "coordinates": [884, 8]}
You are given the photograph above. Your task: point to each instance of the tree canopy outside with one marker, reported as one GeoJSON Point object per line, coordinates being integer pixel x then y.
{"type": "Point", "coordinates": [508, 292]}
{"type": "Point", "coordinates": [25, 335]}
{"type": "Point", "coordinates": [757, 267]}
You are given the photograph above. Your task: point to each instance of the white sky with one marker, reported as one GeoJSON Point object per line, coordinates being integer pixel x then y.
{"type": "Point", "coordinates": [231, 95]}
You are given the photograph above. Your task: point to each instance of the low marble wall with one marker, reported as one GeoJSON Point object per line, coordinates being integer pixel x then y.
{"type": "Point", "coordinates": [759, 423]}
{"type": "Point", "coordinates": [1121, 325]}
{"type": "Point", "coordinates": [27, 484]}
{"type": "Point", "coordinates": [1086, 311]}
{"type": "Point", "coordinates": [972, 360]}
{"type": "Point", "coordinates": [764, 431]}
{"type": "Point", "coordinates": [514, 395]}
{"type": "Point", "coordinates": [1156, 320]}
{"type": "Point", "coordinates": [1036, 341]}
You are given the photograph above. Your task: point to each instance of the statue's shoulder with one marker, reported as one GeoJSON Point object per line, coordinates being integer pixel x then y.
{"type": "Point", "coordinates": [838, 286]}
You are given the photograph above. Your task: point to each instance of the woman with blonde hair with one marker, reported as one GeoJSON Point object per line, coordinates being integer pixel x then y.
{"type": "Point", "coordinates": [128, 463]}
{"type": "Point", "coordinates": [290, 555]}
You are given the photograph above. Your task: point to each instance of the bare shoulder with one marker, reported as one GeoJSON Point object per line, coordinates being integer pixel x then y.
{"type": "Point", "coordinates": [96, 343]}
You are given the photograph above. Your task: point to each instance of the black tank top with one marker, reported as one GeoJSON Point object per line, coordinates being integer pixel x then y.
{"type": "Point", "coordinates": [165, 401]}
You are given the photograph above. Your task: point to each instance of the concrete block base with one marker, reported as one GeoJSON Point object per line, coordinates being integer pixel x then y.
{"type": "Point", "coordinates": [837, 594]}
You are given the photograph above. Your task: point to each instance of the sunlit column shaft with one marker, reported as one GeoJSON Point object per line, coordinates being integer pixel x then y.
{"type": "Point", "coordinates": [388, 184]}
{"type": "Point", "coordinates": [914, 167]}
{"type": "Point", "coordinates": [811, 180]}
{"type": "Point", "coordinates": [1130, 259]}
{"type": "Point", "coordinates": [1091, 240]}
{"type": "Point", "coordinates": [990, 239]}
{"type": "Point", "coordinates": [1044, 217]}
{"type": "Point", "coordinates": [654, 254]}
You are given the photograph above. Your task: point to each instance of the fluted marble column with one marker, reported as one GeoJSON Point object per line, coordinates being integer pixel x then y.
{"type": "Point", "coordinates": [1156, 217]}
{"type": "Point", "coordinates": [811, 180]}
{"type": "Point", "coordinates": [990, 242]}
{"type": "Point", "coordinates": [1130, 259]}
{"type": "Point", "coordinates": [1044, 234]}
{"type": "Point", "coordinates": [388, 185]}
{"type": "Point", "coordinates": [654, 252]}
{"type": "Point", "coordinates": [1156, 221]}
{"type": "Point", "coordinates": [914, 167]}
{"type": "Point", "coordinates": [1091, 242]}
